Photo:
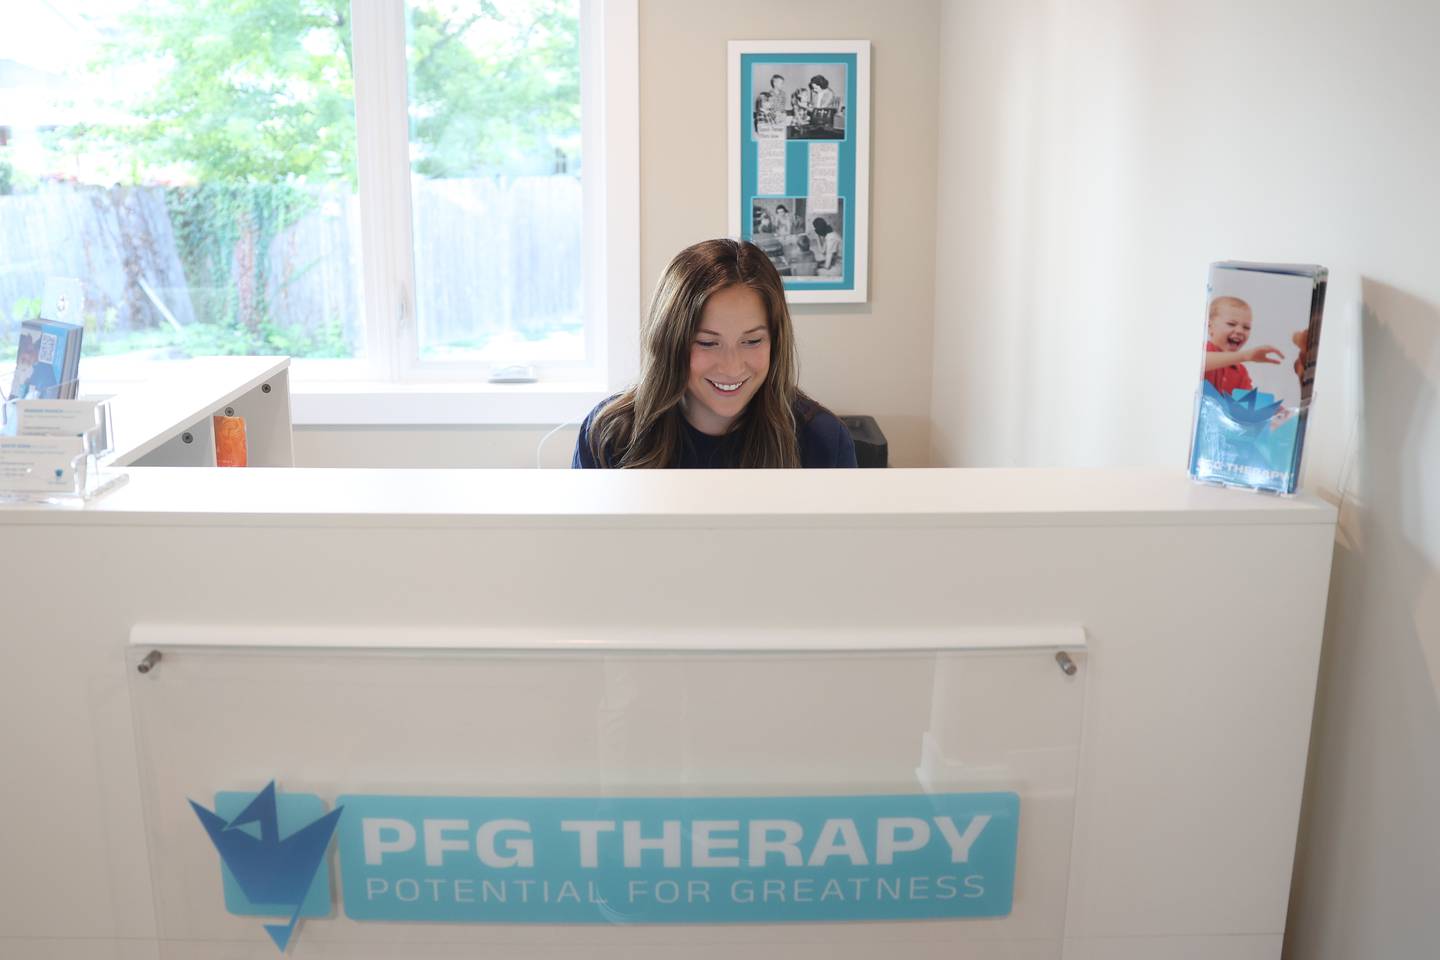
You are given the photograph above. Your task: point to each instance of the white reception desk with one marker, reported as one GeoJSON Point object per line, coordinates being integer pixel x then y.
{"type": "Point", "coordinates": [674, 636]}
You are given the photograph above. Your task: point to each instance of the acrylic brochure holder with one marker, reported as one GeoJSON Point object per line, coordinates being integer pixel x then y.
{"type": "Point", "coordinates": [1261, 344]}
{"type": "Point", "coordinates": [53, 450]}
{"type": "Point", "coordinates": [433, 798]}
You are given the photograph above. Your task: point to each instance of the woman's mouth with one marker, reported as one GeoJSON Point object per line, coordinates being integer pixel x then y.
{"type": "Point", "coordinates": [724, 387]}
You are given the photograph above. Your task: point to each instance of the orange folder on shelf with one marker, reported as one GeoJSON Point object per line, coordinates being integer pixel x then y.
{"type": "Point", "coordinates": [230, 442]}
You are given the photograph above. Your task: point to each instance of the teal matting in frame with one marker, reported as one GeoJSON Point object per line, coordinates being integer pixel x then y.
{"type": "Point", "coordinates": [799, 162]}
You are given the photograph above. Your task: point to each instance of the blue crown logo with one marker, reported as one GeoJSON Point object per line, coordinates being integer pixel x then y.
{"type": "Point", "coordinates": [1249, 409]}
{"type": "Point", "coordinates": [274, 874]}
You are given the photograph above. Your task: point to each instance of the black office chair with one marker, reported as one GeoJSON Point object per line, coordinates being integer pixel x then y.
{"type": "Point", "coordinates": [871, 450]}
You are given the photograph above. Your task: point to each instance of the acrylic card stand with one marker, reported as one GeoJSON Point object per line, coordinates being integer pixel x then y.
{"type": "Point", "coordinates": [53, 450]}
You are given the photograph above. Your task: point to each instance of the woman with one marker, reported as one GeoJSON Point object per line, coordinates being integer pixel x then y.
{"type": "Point", "coordinates": [717, 380]}
{"type": "Point", "coordinates": [821, 96]}
{"type": "Point", "coordinates": [828, 256]}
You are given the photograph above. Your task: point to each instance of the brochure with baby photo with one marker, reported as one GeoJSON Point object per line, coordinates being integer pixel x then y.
{"type": "Point", "coordinates": [1261, 338]}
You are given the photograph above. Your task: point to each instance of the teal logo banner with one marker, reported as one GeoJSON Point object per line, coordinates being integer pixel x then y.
{"type": "Point", "coordinates": [678, 860]}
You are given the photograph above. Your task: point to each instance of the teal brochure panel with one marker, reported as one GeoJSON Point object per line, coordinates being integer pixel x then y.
{"type": "Point", "coordinates": [789, 123]}
{"type": "Point", "coordinates": [412, 803]}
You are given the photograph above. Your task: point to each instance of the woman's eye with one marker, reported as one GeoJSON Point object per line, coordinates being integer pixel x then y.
{"type": "Point", "coordinates": [754, 343]}
{"type": "Point", "coordinates": [707, 343]}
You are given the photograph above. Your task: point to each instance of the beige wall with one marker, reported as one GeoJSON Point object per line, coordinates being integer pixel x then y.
{"type": "Point", "coordinates": [1098, 156]}
{"type": "Point", "coordinates": [871, 358]}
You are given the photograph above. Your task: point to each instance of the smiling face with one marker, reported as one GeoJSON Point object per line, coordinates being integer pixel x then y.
{"type": "Point", "coordinates": [1230, 326]}
{"type": "Point", "coordinates": [729, 358]}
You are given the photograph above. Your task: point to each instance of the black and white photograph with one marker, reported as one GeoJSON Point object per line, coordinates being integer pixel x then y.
{"type": "Point", "coordinates": [798, 101]}
{"type": "Point", "coordinates": [801, 242]}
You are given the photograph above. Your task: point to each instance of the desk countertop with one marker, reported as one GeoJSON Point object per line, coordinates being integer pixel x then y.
{"type": "Point", "coordinates": [801, 498]}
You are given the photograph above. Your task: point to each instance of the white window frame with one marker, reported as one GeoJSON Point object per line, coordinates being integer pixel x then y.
{"type": "Point", "coordinates": [390, 385]}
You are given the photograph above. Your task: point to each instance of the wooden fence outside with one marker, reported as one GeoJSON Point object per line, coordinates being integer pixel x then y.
{"type": "Point", "coordinates": [491, 255]}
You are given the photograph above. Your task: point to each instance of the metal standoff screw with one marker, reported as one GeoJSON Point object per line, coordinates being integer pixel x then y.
{"type": "Point", "coordinates": [1066, 664]}
{"type": "Point", "coordinates": [229, 411]}
{"type": "Point", "coordinates": [148, 664]}
{"type": "Point", "coordinates": [264, 388]}
{"type": "Point", "coordinates": [187, 437]}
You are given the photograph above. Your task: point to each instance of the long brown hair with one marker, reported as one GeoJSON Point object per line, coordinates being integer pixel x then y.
{"type": "Point", "coordinates": [644, 426]}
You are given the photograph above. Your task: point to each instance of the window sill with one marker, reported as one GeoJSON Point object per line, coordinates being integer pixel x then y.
{"type": "Point", "coordinates": [372, 403]}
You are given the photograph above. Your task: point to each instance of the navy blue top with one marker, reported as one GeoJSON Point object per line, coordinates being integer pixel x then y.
{"type": "Point", "coordinates": [824, 442]}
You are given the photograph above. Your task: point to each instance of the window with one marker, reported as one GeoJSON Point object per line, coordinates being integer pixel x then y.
{"type": "Point", "coordinates": [194, 166]}
{"type": "Point", "coordinates": [404, 196]}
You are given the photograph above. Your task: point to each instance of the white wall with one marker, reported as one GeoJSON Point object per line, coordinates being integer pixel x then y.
{"type": "Point", "coordinates": [433, 446]}
{"type": "Point", "coordinates": [1095, 156]}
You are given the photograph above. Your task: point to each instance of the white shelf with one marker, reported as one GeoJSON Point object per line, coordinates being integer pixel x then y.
{"type": "Point", "coordinates": [153, 419]}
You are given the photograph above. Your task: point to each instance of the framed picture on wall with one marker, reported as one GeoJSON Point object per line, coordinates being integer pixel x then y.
{"type": "Point", "coordinates": [800, 162]}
